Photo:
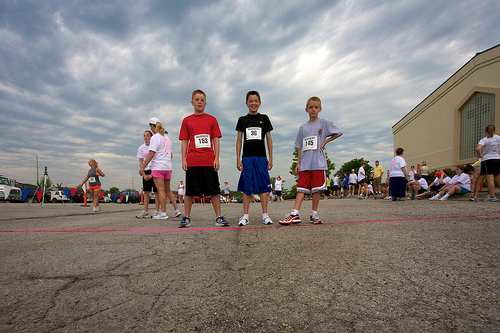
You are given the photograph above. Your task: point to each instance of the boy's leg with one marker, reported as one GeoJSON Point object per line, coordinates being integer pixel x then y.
{"type": "Point", "coordinates": [246, 202]}
{"type": "Point", "coordinates": [216, 204]}
{"type": "Point", "coordinates": [298, 200]}
{"type": "Point", "coordinates": [188, 202]}
{"type": "Point", "coordinates": [263, 201]}
{"type": "Point", "coordinates": [315, 200]}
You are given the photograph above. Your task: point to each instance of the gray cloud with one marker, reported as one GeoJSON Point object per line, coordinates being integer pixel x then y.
{"type": "Point", "coordinates": [80, 79]}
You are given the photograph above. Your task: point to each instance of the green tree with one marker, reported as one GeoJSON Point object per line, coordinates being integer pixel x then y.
{"type": "Point", "coordinates": [355, 164]}
{"type": "Point", "coordinates": [329, 164]}
{"type": "Point", "coordinates": [48, 183]}
{"type": "Point", "coordinates": [113, 190]}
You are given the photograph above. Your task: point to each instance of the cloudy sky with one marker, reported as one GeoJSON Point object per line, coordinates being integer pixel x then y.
{"type": "Point", "coordinates": [80, 79]}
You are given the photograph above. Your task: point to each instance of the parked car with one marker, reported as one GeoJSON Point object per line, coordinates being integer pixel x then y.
{"type": "Point", "coordinates": [9, 192]}
{"type": "Point", "coordinates": [78, 196]}
{"type": "Point", "coordinates": [127, 196]}
{"type": "Point", "coordinates": [58, 196]}
{"type": "Point", "coordinates": [198, 199]}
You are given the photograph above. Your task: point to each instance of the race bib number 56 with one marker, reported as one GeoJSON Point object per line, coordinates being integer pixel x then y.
{"type": "Point", "coordinates": [310, 143]}
{"type": "Point", "coordinates": [202, 141]}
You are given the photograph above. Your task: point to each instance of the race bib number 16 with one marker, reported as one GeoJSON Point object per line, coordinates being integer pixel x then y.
{"type": "Point", "coordinates": [202, 141]}
{"type": "Point", "coordinates": [310, 143]}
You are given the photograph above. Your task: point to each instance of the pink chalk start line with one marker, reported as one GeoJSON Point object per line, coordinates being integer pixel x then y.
{"type": "Point", "coordinates": [246, 228]}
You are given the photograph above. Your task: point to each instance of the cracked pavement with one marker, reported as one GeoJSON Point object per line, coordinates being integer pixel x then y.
{"type": "Point", "coordinates": [375, 265]}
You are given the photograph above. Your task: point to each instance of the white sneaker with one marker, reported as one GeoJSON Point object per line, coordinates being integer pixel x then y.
{"type": "Point", "coordinates": [177, 213]}
{"type": "Point", "coordinates": [436, 197]}
{"type": "Point", "coordinates": [142, 215]}
{"type": "Point", "coordinates": [491, 199]}
{"type": "Point", "coordinates": [267, 220]}
{"type": "Point", "coordinates": [94, 210]}
{"type": "Point", "coordinates": [156, 213]}
{"type": "Point", "coordinates": [160, 217]}
{"type": "Point", "coordinates": [443, 199]}
{"type": "Point", "coordinates": [243, 221]}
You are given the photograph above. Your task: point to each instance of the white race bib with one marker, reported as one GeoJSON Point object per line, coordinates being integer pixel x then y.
{"type": "Point", "coordinates": [310, 143]}
{"type": "Point", "coordinates": [92, 179]}
{"type": "Point", "coordinates": [254, 133]}
{"type": "Point", "coordinates": [202, 141]}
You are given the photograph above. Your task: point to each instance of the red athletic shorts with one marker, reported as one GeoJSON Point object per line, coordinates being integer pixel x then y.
{"type": "Point", "coordinates": [311, 181]}
{"type": "Point", "coordinates": [95, 188]}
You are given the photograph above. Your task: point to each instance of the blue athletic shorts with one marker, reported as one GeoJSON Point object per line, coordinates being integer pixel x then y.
{"type": "Point", "coordinates": [254, 178]}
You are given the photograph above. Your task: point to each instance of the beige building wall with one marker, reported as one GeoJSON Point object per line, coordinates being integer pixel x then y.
{"type": "Point", "coordinates": [431, 131]}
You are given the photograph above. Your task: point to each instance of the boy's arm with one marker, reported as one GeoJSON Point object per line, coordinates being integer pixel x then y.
{"type": "Point", "coordinates": [297, 167]}
{"type": "Point", "coordinates": [216, 151]}
{"type": "Point", "coordinates": [270, 148]}
{"type": "Point", "coordinates": [239, 165]}
{"type": "Point", "coordinates": [184, 148]}
{"type": "Point", "coordinates": [331, 138]}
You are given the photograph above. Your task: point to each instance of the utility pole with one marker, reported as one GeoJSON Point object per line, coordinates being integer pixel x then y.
{"type": "Point", "coordinates": [37, 170]}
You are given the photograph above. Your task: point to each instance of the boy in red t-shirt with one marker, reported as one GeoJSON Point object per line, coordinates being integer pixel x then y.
{"type": "Point", "coordinates": [200, 135]}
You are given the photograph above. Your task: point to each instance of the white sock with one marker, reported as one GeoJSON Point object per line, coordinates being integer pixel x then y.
{"type": "Point", "coordinates": [265, 215]}
{"type": "Point", "coordinates": [446, 195]}
{"type": "Point", "coordinates": [246, 216]}
{"type": "Point", "coordinates": [295, 212]}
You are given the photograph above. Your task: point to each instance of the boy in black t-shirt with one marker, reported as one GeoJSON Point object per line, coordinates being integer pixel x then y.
{"type": "Point", "coordinates": [254, 179]}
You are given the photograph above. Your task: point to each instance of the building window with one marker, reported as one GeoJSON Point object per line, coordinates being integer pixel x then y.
{"type": "Point", "coordinates": [477, 113]}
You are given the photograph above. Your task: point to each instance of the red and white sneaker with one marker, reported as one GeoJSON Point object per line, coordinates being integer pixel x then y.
{"type": "Point", "coordinates": [290, 219]}
{"type": "Point", "coordinates": [315, 219]}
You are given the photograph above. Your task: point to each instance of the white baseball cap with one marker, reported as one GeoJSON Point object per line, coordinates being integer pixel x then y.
{"type": "Point", "coordinates": [153, 121]}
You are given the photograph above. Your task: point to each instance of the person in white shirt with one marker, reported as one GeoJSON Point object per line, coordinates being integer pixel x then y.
{"type": "Point", "coordinates": [398, 176]}
{"type": "Point", "coordinates": [361, 178]}
{"type": "Point", "coordinates": [418, 186]}
{"type": "Point", "coordinates": [352, 182]}
{"type": "Point", "coordinates": [488, 150]}
{"type": "Point", "coordinates": [460, 185]}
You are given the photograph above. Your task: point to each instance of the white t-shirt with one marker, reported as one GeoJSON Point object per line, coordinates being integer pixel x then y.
{"type": "Point", "coordinates": [463, 180]}
{"type": "Point", "coordinates": [352, 178]}
{"type": "Point", "coordinates": [277, 185]}
{"type": "Point", "coordinates": [162, 146]}
{"type": "Point", "coordinates": [336, 181]}
{"type": "Point", "coordinates": [491, 147]}
{"type": "Point", "coordinates": [396, 164]}
{"type": "Point", "coordinates": [142, 152]}
{"type": "Point", "coordinates": [412, 175]}
{"type": "Point", "coordinates": [361, 174]}
{"type": "Point", "coordinates": [447, 180]}
{"type": "Point", "coordinates": [423, 183]}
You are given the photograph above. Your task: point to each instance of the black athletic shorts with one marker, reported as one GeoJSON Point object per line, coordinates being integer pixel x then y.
{"type": "Point", "coordinates": [202, 180]}
{"type": "Point", "coordinates": [148, 185]}
{"type": "Point", "coordinates": [490, 167]}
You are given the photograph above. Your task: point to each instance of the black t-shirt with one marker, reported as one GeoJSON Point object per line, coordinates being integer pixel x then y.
{"type": "Point", "coordinates": [254, 129]}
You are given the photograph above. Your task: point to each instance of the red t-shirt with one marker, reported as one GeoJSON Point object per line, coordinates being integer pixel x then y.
{"type": "Point", "coordinates": [200, 130]}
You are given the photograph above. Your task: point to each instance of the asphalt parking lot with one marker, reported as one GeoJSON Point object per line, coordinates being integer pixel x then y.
{"type": "Point", "coordinates": [374, 265]}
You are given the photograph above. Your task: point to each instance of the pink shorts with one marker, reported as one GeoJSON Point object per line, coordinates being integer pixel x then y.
{"type": "Point", "coordinates": [165, 174]}
{"type": "Point", "coordinates": [311, 181]}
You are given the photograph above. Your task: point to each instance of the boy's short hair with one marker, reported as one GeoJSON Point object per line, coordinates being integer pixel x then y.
{"type": "Point", "coordinates": [399, 151]}
{"type": "Point", "coordinates": [315, 99]}
{"type": "Point", "coordinates": [198, 91]}
{"type": "Point", "coordinates": [253, 92]}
